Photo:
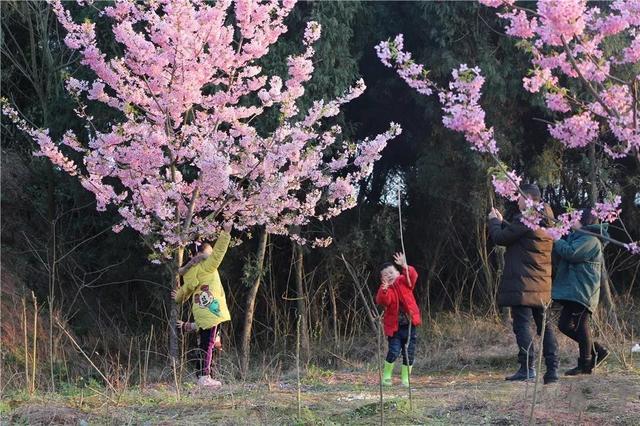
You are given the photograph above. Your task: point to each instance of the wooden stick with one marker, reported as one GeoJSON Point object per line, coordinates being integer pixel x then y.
{"type": "Point", "coordinates": [298, 395]}
{"type": "Point", "coordinates": [379, 341]}
{"type": "Point", "coordinates": [540, 350]}
{"type": "Point", "coordinates": [406, 271]}
{"type": "Point", "coordinates": [35, 340]}
{"type": "Point", "coordinates": [26, 342]}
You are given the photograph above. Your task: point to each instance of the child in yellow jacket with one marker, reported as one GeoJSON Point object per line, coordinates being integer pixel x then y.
{"type": "Point", "coordinates": [202, 284]}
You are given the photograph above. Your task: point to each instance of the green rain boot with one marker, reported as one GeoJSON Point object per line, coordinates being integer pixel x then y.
{"type": "Point", "coordinates": [386, 374]}
{"type": "Point", "coordinates": [406, 371]}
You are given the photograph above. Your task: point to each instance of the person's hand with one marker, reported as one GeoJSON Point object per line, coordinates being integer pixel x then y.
{"type": "Point", "coordinates": [495, 214]}
{"type": "Point", "coordinates": [400, 260]}
{"type": "Point", "coordinates": [385, 283]}
{"type": "Point", "coordinates": [174, 294]}
{"type": "Point", "coordinates": [227, 226]}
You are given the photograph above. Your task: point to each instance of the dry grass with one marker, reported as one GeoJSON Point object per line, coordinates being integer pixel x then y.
{"type": "Point", "coordinates": [468, 398]}
{"type": "Point", "coordinates": [459, 379]}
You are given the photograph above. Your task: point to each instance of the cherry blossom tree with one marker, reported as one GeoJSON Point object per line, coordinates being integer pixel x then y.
{"type": "Point", "coordinates": [590, 86]}
{"type": "Point", "coordinates": [184, 157]}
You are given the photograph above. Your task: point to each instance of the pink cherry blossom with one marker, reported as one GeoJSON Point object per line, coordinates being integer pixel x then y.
{"type": "Point", "coordinates": [539, 79]}
{"type": "Point", "coordinates": [609, 210]}
{"type": "Point", "coordinates": [557, 102]}
{"type": "Point", "coordinates": [564, 223]}
{"type": "Point", "coordinates": [561, 19]}
{"type": "Point", "coordinates": [463, 112]}
{"type": "Point", "coordinates": [519, 24]}
{"type": "Point", "coordinates": [633, 247]}
{"type": "Point", "coordinates": [533, 214]}
{"type": "Point", "coordinates": [185, 154]}
{"type": "Point", "coordinates": [392, 54]}
{"type": "Point", "coordinates": [566, 40]}
{"type": "Point", "coordinates": [497, 3]}
{"type": "Point", "coordinates": [507, 185]}
{"type": "Point", "coordinates": [576, 131]}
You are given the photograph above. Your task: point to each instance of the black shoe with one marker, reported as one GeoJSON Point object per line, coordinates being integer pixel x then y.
{"type": "Point", "coordinates": [583, 367]}
{"type": "Point", "coordinates": [600, 354]}
{"type": "Point", "coordinates": [551, 376]}
{"type": "Point", "coordinates": [522, 375]}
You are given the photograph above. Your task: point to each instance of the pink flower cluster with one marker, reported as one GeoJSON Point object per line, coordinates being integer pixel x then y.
{"type": "Point", "coordinates": [561, 20]}
{"type": "Point", "coordinates": [633, 247]}
{"type": "Point", "coordinates": [507, 185]}
{"type": "Point", "coordinates": [497, 3]}
{"type": "Point", "coordinates": [567, 40]}
{"type": "Point", "coordinates": [533, 214]}
{"type": "Point", "coordinates": [185, 154]}
{"type": "Point", "coordinates": [462, 111]}
{"type": "Point", "coordinates": [46, 146]}
{"type": "Point", "coordinates": [564, 223]}
{"type": "Point", "coordinates": [609, 210]}
{"type": "Point", "coordinates": [392, 54]}
{"type": "Point", "coordinates": [557, 102]}
{"type": "Point", "coordinates": [576, 131]}
{"type": "Point", "coordinates": [519, 24]}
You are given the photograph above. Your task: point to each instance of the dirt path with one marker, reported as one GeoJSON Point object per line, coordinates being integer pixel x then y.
{"type": "Point", "coordinates": [469, 398]}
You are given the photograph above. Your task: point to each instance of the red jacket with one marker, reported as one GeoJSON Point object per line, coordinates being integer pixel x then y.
{"type": "Point", "coordinates": [399, 296]}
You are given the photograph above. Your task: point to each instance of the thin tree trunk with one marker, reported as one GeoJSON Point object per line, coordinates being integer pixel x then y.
{"type": "Point", "coordinates": [245, 347]}
{"type": "Point", "coordinates": [606, 296]}
{"type": "Point", "coordinates": [593, 177]}
{"type": "Point", "coordinates": [173, 308]}
{"type": "Point", "coordinates": [301, 300]}
{"type": "Point", "coordinates": [334, 315]}
{"type": "Point", "coordinates": [505, 311]}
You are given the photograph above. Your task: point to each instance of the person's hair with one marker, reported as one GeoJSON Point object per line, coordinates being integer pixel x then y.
{"type": "Point", "coordinates": [588, 217]}
{"type": "Point", "coordinates": [193, 249]}
{"type": "Point", "coordinates": [532, 191]}
{"type": "Point", "coordinates": [385, 265]}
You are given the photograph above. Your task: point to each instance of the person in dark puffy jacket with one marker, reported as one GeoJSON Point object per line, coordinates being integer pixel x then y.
{"type": "Point", "coordinates": [525, 286]}
{"type": "Point", "coordinates": [576, 287]}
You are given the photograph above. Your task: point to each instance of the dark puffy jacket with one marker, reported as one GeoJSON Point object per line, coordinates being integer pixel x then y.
{"type": "Point", "coordinates": [578, 269]}
{"type": "Point", "coordinates": [526, 279]}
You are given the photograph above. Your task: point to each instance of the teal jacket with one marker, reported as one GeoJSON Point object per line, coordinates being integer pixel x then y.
{"type": "Point", "coordinates": [579, 264]}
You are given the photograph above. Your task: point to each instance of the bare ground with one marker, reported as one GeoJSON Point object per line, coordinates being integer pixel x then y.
{"type": "Point", "coordinates": [472, 398]}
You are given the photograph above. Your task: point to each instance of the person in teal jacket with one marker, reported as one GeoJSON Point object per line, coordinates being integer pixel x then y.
{"type": "Point", "coordinates": [576, 287]}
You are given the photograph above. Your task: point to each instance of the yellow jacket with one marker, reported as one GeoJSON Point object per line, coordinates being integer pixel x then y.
{"type": "Point", "coordinates": [202, 281]}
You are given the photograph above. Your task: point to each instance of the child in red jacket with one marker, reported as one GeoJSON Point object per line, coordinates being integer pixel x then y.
{"type": "Point", "coordinates": [396, 296]}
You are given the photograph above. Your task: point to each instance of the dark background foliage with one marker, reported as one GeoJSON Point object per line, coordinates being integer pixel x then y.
{"type": "Point", "coordinates": [104, 280]}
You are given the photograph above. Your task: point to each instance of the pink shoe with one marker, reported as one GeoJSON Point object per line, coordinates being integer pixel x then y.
{"type": "Point", "coordinates": [207, 381]}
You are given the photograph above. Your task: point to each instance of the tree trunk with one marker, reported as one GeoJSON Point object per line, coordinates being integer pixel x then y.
{"type": "Point", "coordinates": [173, 308]}
{"type": "Point", "coordinates": [245, 347]}
{"type": "Point", "coordinates": [334, 316]}
{"type": "Point", "coordinates": [606, 297]}
{"type": "Point", "coordinates": [593, 177]}
{"type": "Point", "coordinates": [301, 300]}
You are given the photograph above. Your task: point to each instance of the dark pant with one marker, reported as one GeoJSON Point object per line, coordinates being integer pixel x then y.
{"type": "Point", "coordinates": [207, 342]}
{"type": "Point", "coordinates": [574, 323]}
{"type": "Point", "coordinates": [397, 343]}
{"type": "Point", "coordinates": [522, 316]}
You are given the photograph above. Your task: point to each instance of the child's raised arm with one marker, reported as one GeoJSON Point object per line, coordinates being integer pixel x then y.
{"type": "Point", "coordinates": [413, 274]}
{"type": "Point", "coordinates": [219, 250]}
